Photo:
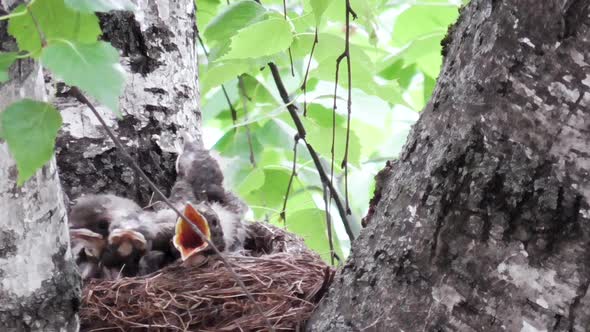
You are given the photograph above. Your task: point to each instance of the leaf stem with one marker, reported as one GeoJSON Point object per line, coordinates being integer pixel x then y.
{"type": "Point", "coordinates": [21, 13]}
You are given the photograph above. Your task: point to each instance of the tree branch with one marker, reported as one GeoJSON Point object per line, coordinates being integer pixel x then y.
{"type": "Point", "coordinates": [316, 160]}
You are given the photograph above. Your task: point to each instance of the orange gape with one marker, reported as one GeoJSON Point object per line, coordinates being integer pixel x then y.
{"type": "Point", "coordinates": [187, 241]}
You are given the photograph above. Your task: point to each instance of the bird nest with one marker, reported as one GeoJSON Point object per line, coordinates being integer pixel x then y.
{"type": "Point", "coordinates": [285, 278]}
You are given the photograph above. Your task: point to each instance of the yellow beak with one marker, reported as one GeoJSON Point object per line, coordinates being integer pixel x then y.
{"type": "Point", "coordinates": [187, 241]}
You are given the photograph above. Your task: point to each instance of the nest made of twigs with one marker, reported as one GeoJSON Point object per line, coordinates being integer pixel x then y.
{"type": "Point", "coordinates": [286, 279]}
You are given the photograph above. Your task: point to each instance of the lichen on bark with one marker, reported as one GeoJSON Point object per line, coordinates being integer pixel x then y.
{"type": "Point", "coordinates": [483, 223]}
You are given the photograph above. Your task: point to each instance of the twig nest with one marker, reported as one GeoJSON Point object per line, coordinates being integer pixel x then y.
{"type": "Point", "coordinates": [285, 278]}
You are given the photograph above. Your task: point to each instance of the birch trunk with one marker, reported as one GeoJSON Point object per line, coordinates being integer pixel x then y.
{"type": "Point", "coordinates": [160, 100]}
{"type": "Point", "coordinates": [483, 224]}
{"type": "Point", "coordinates": [39, 286]}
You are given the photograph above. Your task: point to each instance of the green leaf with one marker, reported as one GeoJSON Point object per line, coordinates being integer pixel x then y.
{"type": "Point", "coordinates": [235, 17]}
{"type": "Point", "coordinates": [56, 21]}
{"type": "Point", "coordinates": [252, 181]}
{"type": "Point", "coordinates": [92, 67]}
{"type": "Point", "coordinates": [272, 193]}
{"type": "Point", "coordinates": [30, 127]}
{"type": "Point", "coordinates": [206, 11]}
{"type": "Point", "coordinates": [422, 20]}
{"type": "Point", "coordinates": [220, 73]}
{"type": "Point", "coordinates": [319, 135]}
{"type": "Point", "coordinates": [6, 60]}
{"type": "Point", "coordinates": [311, 225]}
{"type": "Point", "coordinates": [260, 39]}
{"type": "Point", "coordinates": [397, 69]}
{"type": "Point", "coordinates": [235, 143]}
{"type": "Point", "coordinates": [216, 103]}
{"type": "Point", "coordinates": [90, 6]}
{"type": "Point", "coordinates": [319, 7]}
{"type": "Point", "coordinates": [276, 133]}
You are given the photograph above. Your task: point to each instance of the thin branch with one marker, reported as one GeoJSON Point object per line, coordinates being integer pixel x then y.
{"type": "Point", "coordinates": [82, 99]}
{"type": "Point", "coordinates": [333, 147]}
{"type": "Point", "coordinates": [344, 165]}
{"type": "Point", "coordinates": [304, 85]}
{"type": "Point", "coordinates": [293, 175]}
{"type": "Point", "coordinates": [345, 54]}
{"type": "Point", "coordinates": [316, 160]}
{"type": "Point", "coordinates": [326, 181]}
{"type": "Point", "coordinates": [329, 224]}
{"type": "Point", "coordinates": [291, 62]}
{"type": "Point", "coordinates": [244, 98]}
{"type": "Point", "coordinates": [286, 100]}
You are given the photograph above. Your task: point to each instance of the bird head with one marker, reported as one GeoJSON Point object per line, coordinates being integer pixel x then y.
{"type": "Point", "coordinates": [187, 241]}
{"type": "Point", "coordinates": [97, 212]}
{"type": "Point", "coordinates": [90, 222]}
{"type": "Point", "coordinates": [91, 243]}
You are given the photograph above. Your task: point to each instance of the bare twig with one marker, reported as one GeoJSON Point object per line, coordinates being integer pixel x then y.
{"type": "Point", "coordinates": [81, 98]}
{"type": "Point", "coordinates": [290, 54]}
{"type": "Point", "coordinates": [293, 174]}
{"type": "Point", "coordinates": [244, 98]}
{"type": "Point", "coordinates": [325, 180]}
{"type": "Point", "coordinates": [304, 85]}
{"type": "Point", "coordinates": [345, 55]}
{"type": "Point", "coordinates": [349, 12]}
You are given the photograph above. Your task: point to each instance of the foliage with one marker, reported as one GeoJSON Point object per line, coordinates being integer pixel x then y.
{"type": "Point", "coordinates": [395, 58]}
{"type": "Point", "coordinates": [64, 36]}
{"type": "Point", "coordinates": [30, 127]}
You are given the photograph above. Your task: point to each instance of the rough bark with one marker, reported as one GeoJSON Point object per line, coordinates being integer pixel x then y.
{"type": "Point", "coordinates": [158, 51]}
{"type": "Point", "coordinates": [483, 222]}
{"type": "Point", "coordinates": [39, 285]}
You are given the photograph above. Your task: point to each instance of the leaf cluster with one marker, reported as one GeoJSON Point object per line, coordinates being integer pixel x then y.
{"type": "Point", "coordinates": [63, 36]}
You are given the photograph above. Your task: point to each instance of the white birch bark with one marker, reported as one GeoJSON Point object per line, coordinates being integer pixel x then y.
{"type": "Point", "coordinates": [158, 52]}
{"type": "Point", "coordinates": [39, 286]}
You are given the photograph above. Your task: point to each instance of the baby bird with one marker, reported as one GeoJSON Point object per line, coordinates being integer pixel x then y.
{"type": "Point", "coordinates": [91, 221]}
{"type": "Point", "coordinates": [217, 213]}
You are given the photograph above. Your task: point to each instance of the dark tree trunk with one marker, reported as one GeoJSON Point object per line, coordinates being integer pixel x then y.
{"type": "Point", "coordinates": [158, 50]}
{"type": "Point", "coordinates": [483, 222]}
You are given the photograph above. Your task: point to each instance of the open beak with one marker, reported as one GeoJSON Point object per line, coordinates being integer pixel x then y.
{"type": "Point", "coordinates": [92, 243]}
{"type": "Point", "coordinates": [126, 240]}
{"type": "Point", "coordinates": [187, 241]}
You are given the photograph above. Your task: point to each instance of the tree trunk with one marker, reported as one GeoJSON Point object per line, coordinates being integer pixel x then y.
{"type": "Point", "coordinates": [39, 286]}
{"type": "Point", "coordinates": [158, 52]}
{"type": "Point", "coordinates": [483, 222]}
